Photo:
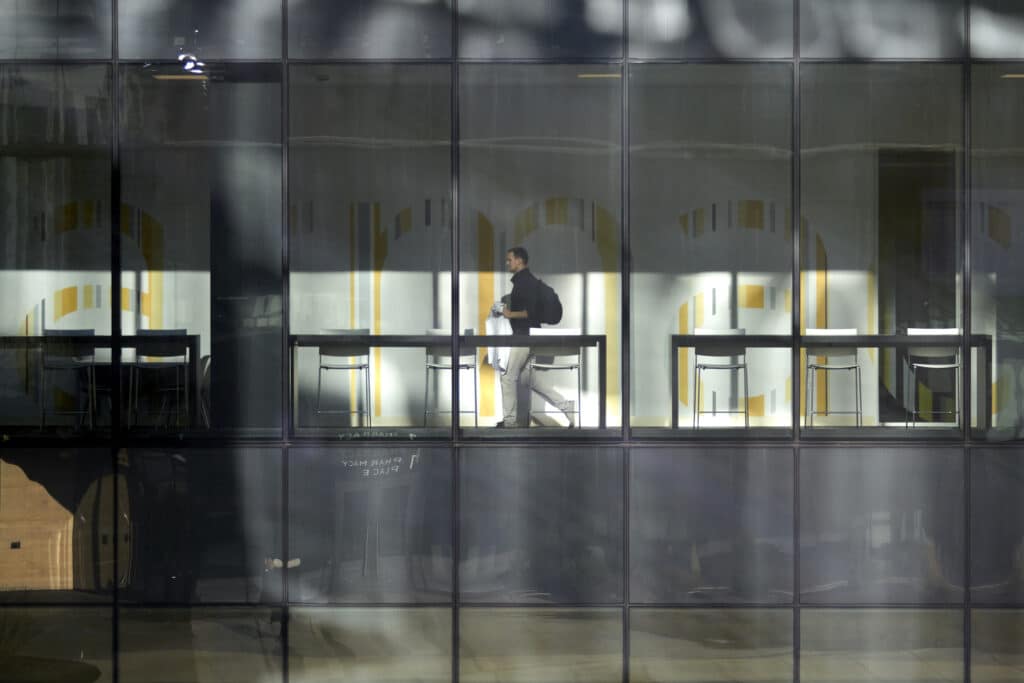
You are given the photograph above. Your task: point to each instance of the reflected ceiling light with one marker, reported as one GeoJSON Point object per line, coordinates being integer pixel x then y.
{"type": "Point", "coordinates": [180, 77]}
{"type": "Point", "coordinates": [608, 75]}
{"type": "Point", "coordinates": [191, 63]}
{"type": "Point", "coordinates": [1012, 76]}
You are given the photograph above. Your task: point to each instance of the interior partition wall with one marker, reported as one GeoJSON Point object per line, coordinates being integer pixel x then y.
{"type": "Point", "coordinates": [194, 487]}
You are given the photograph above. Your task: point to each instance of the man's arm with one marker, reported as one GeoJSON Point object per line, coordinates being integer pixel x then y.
{"type": "Point", "coordinates": [514, 315]}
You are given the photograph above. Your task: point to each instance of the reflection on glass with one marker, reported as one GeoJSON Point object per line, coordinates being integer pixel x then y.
{"type": "Point", "coordinates": [881, 645]}
{"type": "Point", "coordinates": [205, 526]}
{"type": "Point", "coordinates": [51, 29]}
{"type": "Point", "coordinates": [882, 29]}
{"type": "Point", "coordinates": [710, 28]}
{"type": "Point", "coordinates": [997, 645]}
{"type": "Point", "coordinates": [369, 29]}
{"type": "Point", "coordinates": [710, 645]}
{"type": "Point", "coordinates": [56, 644]}
{"type": "Point", "coordinates": [996, 29]}
{"type": "Point", "coordinates": [541, 525]}
{"type": "Point", "coordinates": [997, 208]}
{"type": "Point", "coordinates": [540, 645]}
{"type": "Point", "coordinates": [540, 28]}
{"type": "Point", "coordinates": [58, 527]}
{"type": "Point", "coordinates": [997, 527]}
{"type": "Point", "coordinates": [540, 167]}
{"type": "Point", "coordinates": [163, 29]}
{"type": "Point", "coordinates": [711, 241]}
{"type": "Point", "coordinates": [201, 247]}
{"type": "Point", "coordinates": [370, 525]}
{"type": "Point", "coordinates": [55, 264]}
{"type": "Point", "coordinates": [879, 234]}
{"type": "Point", "coordinates": [714, 526]}
{"type": "Point", "coordinates": [376, 644]}
{"type": "Point", "coordinates": [370, 247]}
{"type": "Point", "coordinates": [234, 645]}
{"type": "Point", "coordinates": [881, 525]}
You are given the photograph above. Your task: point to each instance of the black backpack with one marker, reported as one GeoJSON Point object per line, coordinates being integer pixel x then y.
{"type": "Point", "coordinates": [550, 306]}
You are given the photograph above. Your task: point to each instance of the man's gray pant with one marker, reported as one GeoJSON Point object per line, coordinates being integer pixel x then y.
{"type": "Point", "coordinates": [519, 372]}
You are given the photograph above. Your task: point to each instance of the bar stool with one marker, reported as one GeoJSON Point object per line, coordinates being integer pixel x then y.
{"type": "Point", "coordinates": [62, 356]}
{"type": "Point", "coordinates": [558, 358]}
{"type": "Point", "coordinates": [933, 358]}
{"type": "Point", "coordinates": [158, 352]}
{"type": "Point", "coordinates": [439, 358]}
{"type": "Point", "coordinates": [830, 353]}
{"type": "Point", "coordinates": [347, 358]}
{"type": "Point", "coordinates": [733, 357]}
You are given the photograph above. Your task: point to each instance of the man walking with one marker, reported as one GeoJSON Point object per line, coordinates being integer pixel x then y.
{"type": "Point", "coordinates": [523, 312]}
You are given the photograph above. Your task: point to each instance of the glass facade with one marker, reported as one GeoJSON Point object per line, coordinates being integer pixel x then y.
{"type": "Point", "coordinates": [478, 340]}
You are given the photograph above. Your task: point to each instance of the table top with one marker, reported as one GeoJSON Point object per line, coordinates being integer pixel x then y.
{"type": "Point", "coordinates": [860, 340]}
{"type": "Point", "coordinates": [423, 340]}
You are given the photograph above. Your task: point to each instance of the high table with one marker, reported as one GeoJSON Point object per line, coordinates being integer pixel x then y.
{"type": "Point", "coordinates": [106, 341]}
{"type": "Point", "coordinates": [297, 341]}
{"type": "Point", "coordinates": [982, 342]}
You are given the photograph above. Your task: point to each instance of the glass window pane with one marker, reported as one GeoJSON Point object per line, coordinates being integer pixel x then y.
{"type": "Point", "coordinates": [540, 157]}
{"type": "Point", "coordinates": [55, 137]}
{"type": "Point", "coordinates": [57, 522]}
{"type": "Point", "coordinates": [376, 644]}
{"type": "Point", "coordinates": [881, 645]}
{"type": "Point", "coordinates": [370, 525]}
{"type": "Point", "coordinates": [997, 645]}
{"type": "Point", "coordinates": [59, 644]}
{"type": "Point", "coordinates": [51, 29]}
{"type": "Point", "coordinates": [226, 29]}
{"type": "Point", "coordinates": [997, 29]}
{"type": "Point", "coordinates": [711, 242]}
{"type": "Point", "coordinates": [234, 645]}
{"type": "Point", "coordinates": [201, 247]}
{"type": "Point", "coordinates": [540, 645]}
{"type": "Point", "coordinates": [369, 29]}
{"type": "Point", "coordinates": [711, 527]}
{"type": "Point", "coordinates": [710, 28]}
{"type": "Point", "coordinates": [541, 525]}
{"type": "Point", "coordinates": [370, 195]}
{"type": "Point", "coordinates": [997, 288]}
{"type": "Point", "coordinates": [997, 526]}
{"type": "Point", "coordinates": [206, 526]}
{"type": "Point", "coordinates": [880, 149]}
{"type": "Point", "coordinates": [548, 29]}
{"type": "Point", "coordinates": [670, 645]}
{"type": "Point", "coordinates": [881, 525]}
{"type": "Point", "coordinates": [882, 29]}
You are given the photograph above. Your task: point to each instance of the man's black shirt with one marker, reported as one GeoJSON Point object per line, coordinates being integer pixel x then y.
{"type": "Point", "coordinates": [525, 297]}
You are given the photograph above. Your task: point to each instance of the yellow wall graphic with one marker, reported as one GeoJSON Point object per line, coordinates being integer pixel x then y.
{"type": "Point", "coordinates": [485, 297]}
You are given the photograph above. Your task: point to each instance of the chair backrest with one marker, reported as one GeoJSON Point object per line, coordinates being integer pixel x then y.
{"type": "Point", "coordinates": [77, 349]}
{"type": "Point", "coordinates": [163, 344]}
{"type": "Point", "coordinates": [344, 350]}
{"type": "Point", "coordinates": [442, 353]}
{"type": "Point", "coordinates": [951, 351]}
{"type": "Point", "coordinates": [565, 352]}
{"type": "Point", "coordinates": [718, 349]}
{"type": "Point", "coordinates": [830, 351]}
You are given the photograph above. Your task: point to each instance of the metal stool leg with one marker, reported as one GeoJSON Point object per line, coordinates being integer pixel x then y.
{"type": "Point", "coordinates": [426, 393]}
{"type": "Point", "coordinates": [857, 395]}
{"type": "Point", "coordinates": [369, 406]}
{"type": "Point", "coordinates": [476, 412]}
{"type": "Point", "coordinates": [811, 381]}
{"type": "Point", "coordinates": [319, 386]}
{"type": "Point", "coordinates": [746, 398]}
{"type": "Point", "coordinates": [696, 394]}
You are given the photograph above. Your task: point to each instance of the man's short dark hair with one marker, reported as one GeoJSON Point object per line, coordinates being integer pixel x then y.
{"type": "Point", "coordinates": [520, 253]}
